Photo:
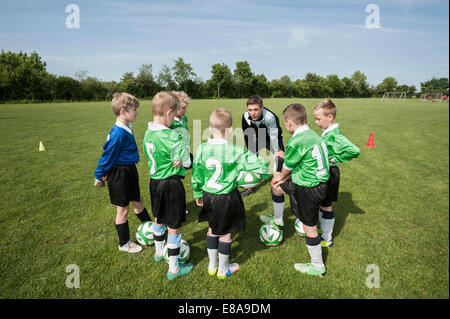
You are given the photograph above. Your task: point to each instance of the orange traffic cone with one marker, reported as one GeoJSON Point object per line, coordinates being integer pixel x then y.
{"type": "Point", "coordinates": [370, 141]}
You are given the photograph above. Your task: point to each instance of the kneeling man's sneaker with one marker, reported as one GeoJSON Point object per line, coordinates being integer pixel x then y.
{"type": "Point", "coordinates": [130, 247]}
{"type": "Point", "coordinates": [309, 269]}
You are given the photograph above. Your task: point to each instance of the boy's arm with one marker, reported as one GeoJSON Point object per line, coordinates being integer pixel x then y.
{"type": "Point", "coordinates": [111, 153]}
{"type": "Point", "coordinates": [197, 175]}
{"type": "Point", "coordinates": [344, 150]}
{"type": "Point", "coordinates": [179, 153]}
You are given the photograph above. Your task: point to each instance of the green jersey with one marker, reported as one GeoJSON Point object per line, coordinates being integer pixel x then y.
{"type": "Point", "coordinates": [162, 147]}
{"type": "Point", "coordinates": [306, 156]}
{"type": "Point", "coordinates": [181, 127]}
{"type": "Point", "coordinates": [217, 164]}
{"type": "Point", "coordinates": [340, 149]}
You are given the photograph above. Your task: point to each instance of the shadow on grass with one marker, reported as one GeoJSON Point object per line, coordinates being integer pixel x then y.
{"type": "Point", "coordinates": [342, 208]}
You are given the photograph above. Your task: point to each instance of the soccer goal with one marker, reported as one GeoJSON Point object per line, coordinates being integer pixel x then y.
{"type": "Point", "coordinates": [434, 97]}
{"type": "Point", "coordinates": [399, 96]}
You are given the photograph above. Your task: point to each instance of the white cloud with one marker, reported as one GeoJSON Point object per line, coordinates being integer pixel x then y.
{"type": "Point", "coordinates": [297, 38]}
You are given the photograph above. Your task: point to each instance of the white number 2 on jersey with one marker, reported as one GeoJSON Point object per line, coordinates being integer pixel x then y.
{"type": "Point", "coordinates": [150, 150]}
{"type": "Point", "coordinates": [316, 154]}
{"type": "Point", "coordinates": [212, 163]}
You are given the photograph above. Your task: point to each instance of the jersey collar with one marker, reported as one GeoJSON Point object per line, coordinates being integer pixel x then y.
{"type": "Point", "coordinates": [156, 127]}
{"type": "Point", "coordinates": [330, 128]}
{"type": "Point", "coordinates": [301, 129]}
{"type": "Point", "coordinates": [217, 141]}
{"type": "Point", "coordinates": [179, 120]}
{"type": "Point", "coordinates": [125, 127]}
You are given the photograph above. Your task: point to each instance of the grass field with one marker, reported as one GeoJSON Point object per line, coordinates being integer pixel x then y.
{"type": "Point", "coordinates": [393, 210]}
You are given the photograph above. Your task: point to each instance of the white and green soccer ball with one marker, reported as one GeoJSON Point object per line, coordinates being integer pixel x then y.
{"type": "Point", "coordinates": [299, 228]}
{"type": "Point", "coordinates": [270, 235]}
{"type": "Point", "coordinates": [144, 234]}
{"type": "Point", "coordinates": [185, 252]}
{"type": "Point", "coordinates": [248, 179]}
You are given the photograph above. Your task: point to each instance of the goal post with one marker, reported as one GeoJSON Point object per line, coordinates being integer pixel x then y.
{"type": "Point", "coordinates": [434, 97]}
{"type": "Point", "coordinates": [399, 96]}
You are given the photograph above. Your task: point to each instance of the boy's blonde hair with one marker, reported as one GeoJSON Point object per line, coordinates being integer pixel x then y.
{"type": "Point", "coordinates": [220, 119]}
{"type": "Point", "coordinates": [183, 97]}
{"type": "Point", "coordinates": [123, 100]}
{"type": "Point", "coordinates": [163, 101]}
{"type": "Point", "coordinates": [296, 113]}
{"type": "Point", "coordinates": [327, 107]}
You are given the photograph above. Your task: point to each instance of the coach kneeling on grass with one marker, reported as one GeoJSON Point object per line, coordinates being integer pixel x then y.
{"type": "Point", "coordinates": [262, 130]}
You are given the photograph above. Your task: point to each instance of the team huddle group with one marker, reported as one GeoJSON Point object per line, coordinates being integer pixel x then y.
{"type": "Point", "coordinates": [307, 170]}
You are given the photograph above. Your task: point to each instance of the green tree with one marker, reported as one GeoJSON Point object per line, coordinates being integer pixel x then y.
{"type": "Point", "coordinates": [242, 77]}
{"type": "Point", "coordinates": [316, 85]}
{"type": "Point", "coordinates": [92, 89]}
{"type": "Point", "coordinates": [387, 85]}
{"type": "Point", "coordinates": [67, 89]}
{"type": "Point", "coordinates": [260, 85]}
{"type": "Point", "coordinates": [335, 87]}
{"type": "Point", "coordinates": [22, 76]}
{"type": "Point", "coordinates": [128, 84]}
{"type": "Point", "coordinates": [221, 77]}
{"type": "Point", "coordinates": [165, 79]}
{"type": "Point", "coordinates": [412, 90]}
{"type": "Point", "coordinates": [435, 85]}
{"type": "Point", "coordinates": [145, 83]}
{"type": "Point", "coordinates": [183, 73]}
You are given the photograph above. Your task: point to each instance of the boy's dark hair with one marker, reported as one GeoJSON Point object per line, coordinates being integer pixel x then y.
{"type": "Point", "coordinates": [296, 113]}
{"type": "Point", "coordinates": [255, 99]}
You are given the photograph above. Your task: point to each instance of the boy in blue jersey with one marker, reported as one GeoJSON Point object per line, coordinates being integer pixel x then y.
{"type": "Point", "coordinates": [117, 167]}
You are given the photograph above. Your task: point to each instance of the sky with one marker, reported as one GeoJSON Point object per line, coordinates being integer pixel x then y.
{"type": "Point", "coordinates": [276, 37]}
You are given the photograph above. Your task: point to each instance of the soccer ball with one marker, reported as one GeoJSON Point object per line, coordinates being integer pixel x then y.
{"type": "Point", "coordinates": [299, 228]}
{"type": "Point", "coordinates": [270, 235]}
{"type": "Point", "coordinates": [248, 179]}
{"type": "Point", "coordinates": [144, 233]}
{"type": "Point", "coordinates": [185, 252]}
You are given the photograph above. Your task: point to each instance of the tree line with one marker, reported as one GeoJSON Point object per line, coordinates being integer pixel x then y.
{"type": "Point", "coordinates": [23, 77]}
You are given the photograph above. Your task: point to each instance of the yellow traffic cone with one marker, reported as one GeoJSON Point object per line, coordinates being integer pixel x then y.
{"type": "Point", "coordinates": [41, 147]}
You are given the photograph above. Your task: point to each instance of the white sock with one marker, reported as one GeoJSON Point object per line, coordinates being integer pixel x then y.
{"type": "Point", "coordinates": [173, 242]}
{"type": "Point", "coordinates": [159, 245]}
{"type": "Point", "coordinates": [327, 225]}
{"type": "Point", "coordinates": [278, 209]}
{"type": "Point", "coordinates": [224, 255]}
{"type": "Point", "coordinates": [316, 256]}
{"type": "Point", "coordinates": [212, 246]}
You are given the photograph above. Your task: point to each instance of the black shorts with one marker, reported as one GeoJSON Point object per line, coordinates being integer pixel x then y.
{"type": "Point", "coordinates": [305, 201]}
{"type": "Point", "coordinates": [225, 213]}
{"type": "Point", "coordinates": [123, 185]}
{"type": "Point", "coordinates": [168, 201]}
{"type": "Point", "coordinates": [332, 187]}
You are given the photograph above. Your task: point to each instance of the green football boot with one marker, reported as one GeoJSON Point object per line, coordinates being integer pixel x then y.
{"type": "Point", "coordinates": [309, 269]}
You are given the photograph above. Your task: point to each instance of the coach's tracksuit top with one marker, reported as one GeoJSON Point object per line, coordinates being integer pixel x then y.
{"type": "Point", "coordinates": [120, 149]}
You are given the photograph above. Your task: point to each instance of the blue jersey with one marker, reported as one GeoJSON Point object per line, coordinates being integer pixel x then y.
{"type": "Point", "coordinates": [120, 149]}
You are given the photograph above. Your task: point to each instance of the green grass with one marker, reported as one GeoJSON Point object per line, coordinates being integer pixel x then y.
{"type": "Point", "coordinates": [393, 210]}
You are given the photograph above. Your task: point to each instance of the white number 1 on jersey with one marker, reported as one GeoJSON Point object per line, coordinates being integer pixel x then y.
{"type": "Point", "coordinates": [316, 154]}
{"type": "Point", "coordinates": [150, 150]}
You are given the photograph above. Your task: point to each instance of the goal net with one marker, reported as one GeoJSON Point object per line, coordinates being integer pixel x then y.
{"type": "Point", "coordinates": [398, 96]}
{"type": "Point", "coordinates": [434, 97]}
